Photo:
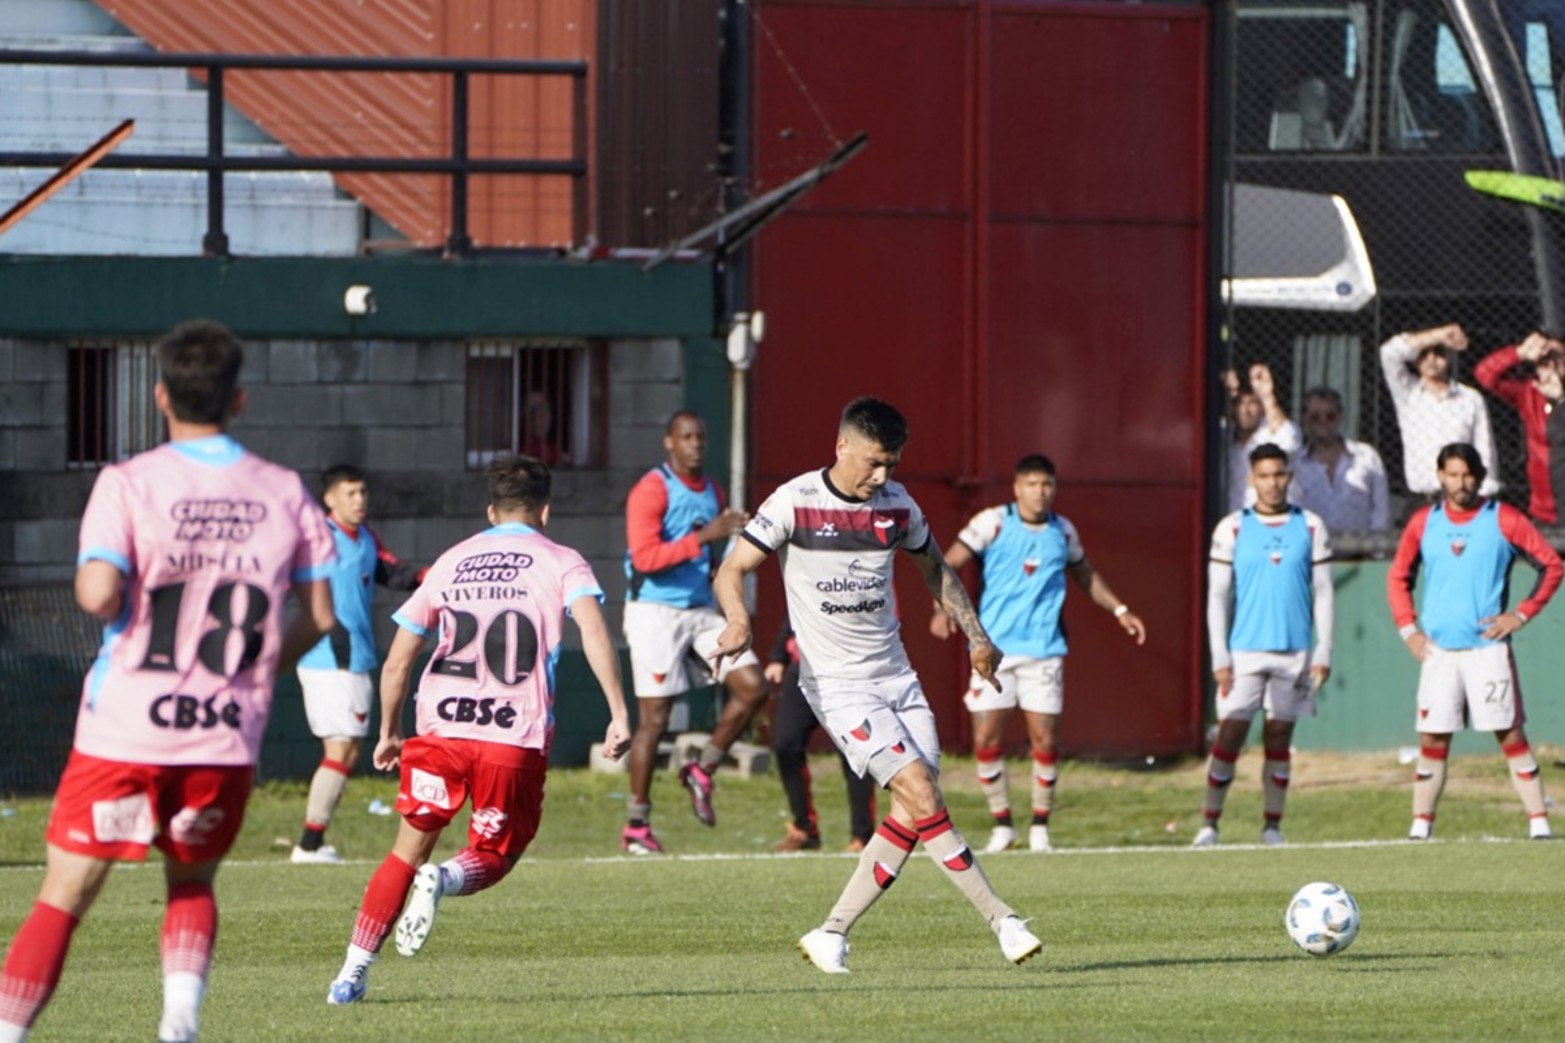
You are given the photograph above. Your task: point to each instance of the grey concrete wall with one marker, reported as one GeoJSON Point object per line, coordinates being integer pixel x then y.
{"type": "Point", "coordinates": [393, 408]}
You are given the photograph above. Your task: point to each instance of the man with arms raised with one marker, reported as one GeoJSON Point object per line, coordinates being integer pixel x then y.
{"type": "Point", "coordinates": [1462, 636]}
{"type": "Point", "coordinates": [187, 554]}
{"type": "Point", "coordinates": [674, 520]}
{"type": "Point", "coordinates": [496, 605]}
{"type": "Point", "coordinates": [1269, 576]}
{"type": "Point", "coordinates": [836, 532]}
{"type": "Point", "coordinates": [1026, 550]}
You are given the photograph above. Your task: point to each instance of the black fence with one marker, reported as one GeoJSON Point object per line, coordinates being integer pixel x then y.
{"type": "Point", "coordinates": [458, 165]}
{"type": "Point", "coordinates": [1355, 133]}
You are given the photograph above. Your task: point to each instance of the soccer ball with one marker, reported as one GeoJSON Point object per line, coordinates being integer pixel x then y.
{"type": "Point", "coordinates": [1322, 919]}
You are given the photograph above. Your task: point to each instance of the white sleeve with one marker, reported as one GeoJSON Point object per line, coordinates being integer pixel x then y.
{"type": "Point", "coordinates": [1483, 441]}
{"type": "Point", "coordinates": [918, 534]}
{"type": "Point", "coordinates": [1223, 539]}
{"type": "Point", "coordinates": [1325, 613]}
{"type": "Point", "coordinates": [1286, 437]}
{"type": "Point", "coordinates": [1320, 538]}
{"type": "Point", "coordinates": [1075, 553]}
{"type": "Point", "coordinates": [1379, 491]}
{"type": "Point", "coordinates": [1395, 354]}
{"type": "Point", "coordinates": [1219, 605]}
{"type": "Point", "coordinates": [981, 530]}
{"type": "Point", "coordinates": [772, 524]}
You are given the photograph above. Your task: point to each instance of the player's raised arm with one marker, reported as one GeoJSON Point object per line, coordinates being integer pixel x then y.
{"type": "Point", "coordinates": [604, 661]}
{"type": "Point", "coordinates": [728, 589]}
{"type": "Point", "coordinates": [947, 590]}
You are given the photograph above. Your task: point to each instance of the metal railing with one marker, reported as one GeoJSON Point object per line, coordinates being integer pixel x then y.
{"type": "Point", "coordinates": [459, 166]}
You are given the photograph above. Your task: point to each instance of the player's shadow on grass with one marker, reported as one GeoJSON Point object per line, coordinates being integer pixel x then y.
{"type": "Point", "coordinates": [1174, 961]}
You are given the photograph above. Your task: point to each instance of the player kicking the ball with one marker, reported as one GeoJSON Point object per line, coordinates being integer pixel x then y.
{"type": "Point", "coordinates": [1462, 636]}
{"type": "Point", "coordinates": [496, 603]}
{"type": "Point", "coordinates": [836, 532]}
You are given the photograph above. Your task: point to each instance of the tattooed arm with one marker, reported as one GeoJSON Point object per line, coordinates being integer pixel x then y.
{"type": "Point", "coordinates": [946, 589]}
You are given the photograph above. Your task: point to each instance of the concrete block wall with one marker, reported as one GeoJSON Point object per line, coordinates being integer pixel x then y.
{"type": "Point", "coordinates": [394, 408]}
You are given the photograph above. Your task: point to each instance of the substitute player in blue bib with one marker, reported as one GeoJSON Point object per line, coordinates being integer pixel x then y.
{"type": "Point", "coordinates": [1026, 550]}
{"type": "Point", "coordinates": [1269, 581]}
{"type": "Point", "coordinates": [673, 518]}
{"type": "Point", "coordinates": [1461, 635]}
{"type": "Point", "coordinates": [337, 674]}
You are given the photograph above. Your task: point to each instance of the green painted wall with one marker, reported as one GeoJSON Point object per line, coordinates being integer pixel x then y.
{"type": "Point", "coordinates": [416, 297]}
{"type": "Point", "coordinates": [1368, 703]}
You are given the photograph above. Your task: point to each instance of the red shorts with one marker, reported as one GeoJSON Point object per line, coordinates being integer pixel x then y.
{"type": "Point", "coordinates": [505, 784]}
{"type": "Point", "coordinates": [116, 809]}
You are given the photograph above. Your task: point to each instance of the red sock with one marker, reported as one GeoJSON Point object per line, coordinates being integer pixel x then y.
{"type": "Point", "coordinates": [189, 929]}
{"type": "Point", "coordinates": [32, 967]}
{"type": "Point", "coordinates": [480, 869]}
{"type": "Point", "coordinates": [383, 899]}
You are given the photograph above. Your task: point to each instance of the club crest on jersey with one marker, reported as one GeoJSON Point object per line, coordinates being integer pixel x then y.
{"type": "Point", "coordinates": [1458, 546]}
{"type": "Point", "coordinates": [1030, 566]}
{"type": "Point", "coordinates": [862, 732]}
{"type": "Point", "coordinates": [1276, 557]}
{"type": "Point", "coordinates": [885, 529]}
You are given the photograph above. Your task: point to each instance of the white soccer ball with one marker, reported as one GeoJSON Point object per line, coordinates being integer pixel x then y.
{"type": "Point", "coordinates": [1322, 919]}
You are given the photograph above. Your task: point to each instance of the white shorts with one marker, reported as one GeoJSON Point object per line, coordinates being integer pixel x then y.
{"type": "Point", "coordinates": [337, 702]}
{"type": "Point", "coordinates": [1036, 685]}
{"type": "Point", "coordinates": [1279, 681]}
{"type": "Point", "coordinates": [671, 648]}
{"type": "Point", "coordinates": [1469, 687]}
{"type": "Point", "coordinates": [880, 726]}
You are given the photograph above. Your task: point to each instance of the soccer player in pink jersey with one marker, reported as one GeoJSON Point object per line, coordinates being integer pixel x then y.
{"type": "Point", "coordinates": [187, 554]}
{"type": "Point", "coordinates": [836, 532]}
{"type": "Point", "coordinates": [496, 605]}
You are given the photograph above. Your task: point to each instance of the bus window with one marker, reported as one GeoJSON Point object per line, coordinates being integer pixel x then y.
{"type": "Point", "coordinates": [1302, 77]}
{"type": "Point", "coordinates": [1432, 102]}
{"type": "Point", "coordinates": [1540, 73]}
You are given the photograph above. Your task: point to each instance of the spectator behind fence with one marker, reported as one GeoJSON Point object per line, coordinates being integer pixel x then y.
{"type": "Point", "coordinates": [1258, 419]}
{"type": "Point", "coordinates": [1531, 377]}
{"type": "Point", "coordinates": [1339, 479]}
{"type": "Point", "coordinates": [1432, 409]}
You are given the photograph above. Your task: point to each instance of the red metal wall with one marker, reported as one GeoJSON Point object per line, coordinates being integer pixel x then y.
{"type": "Point", "coordinates": [1016, 261]}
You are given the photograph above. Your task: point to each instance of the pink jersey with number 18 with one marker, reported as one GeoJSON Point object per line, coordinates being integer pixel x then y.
{"type": "Point", "coordinates": [499, 600]}
{"type": "Point", "coordinates": [209, 538]}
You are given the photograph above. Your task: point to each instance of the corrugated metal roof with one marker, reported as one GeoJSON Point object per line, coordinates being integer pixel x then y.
{"type": "Point", "coordinates": [364, 114]}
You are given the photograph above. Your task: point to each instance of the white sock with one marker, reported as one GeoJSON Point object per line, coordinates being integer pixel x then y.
{"type": "Point", "coordinates": [182, 992]}
{"type": "Point", "coordinates": [357, 957]}
{"type": "Point", "coordinates": [452, 877]}
{"type": "Point", "coordinates": [10, 1033]}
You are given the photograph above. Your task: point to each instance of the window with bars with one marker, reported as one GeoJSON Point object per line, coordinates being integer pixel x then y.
{"type": "Point", "coordinates": [110, 413]}
{"type": "Point", "coordinates": [544, 399]}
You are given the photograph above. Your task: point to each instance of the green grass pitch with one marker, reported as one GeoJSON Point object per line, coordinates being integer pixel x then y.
{"type": "Point", "coordinates": [1144, 938]}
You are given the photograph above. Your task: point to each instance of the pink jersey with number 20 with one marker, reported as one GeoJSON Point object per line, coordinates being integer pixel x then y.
{"type": "Point", "coordinates": [209, 538]}
{"type": "Point", "coordinates": [499, 601]}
